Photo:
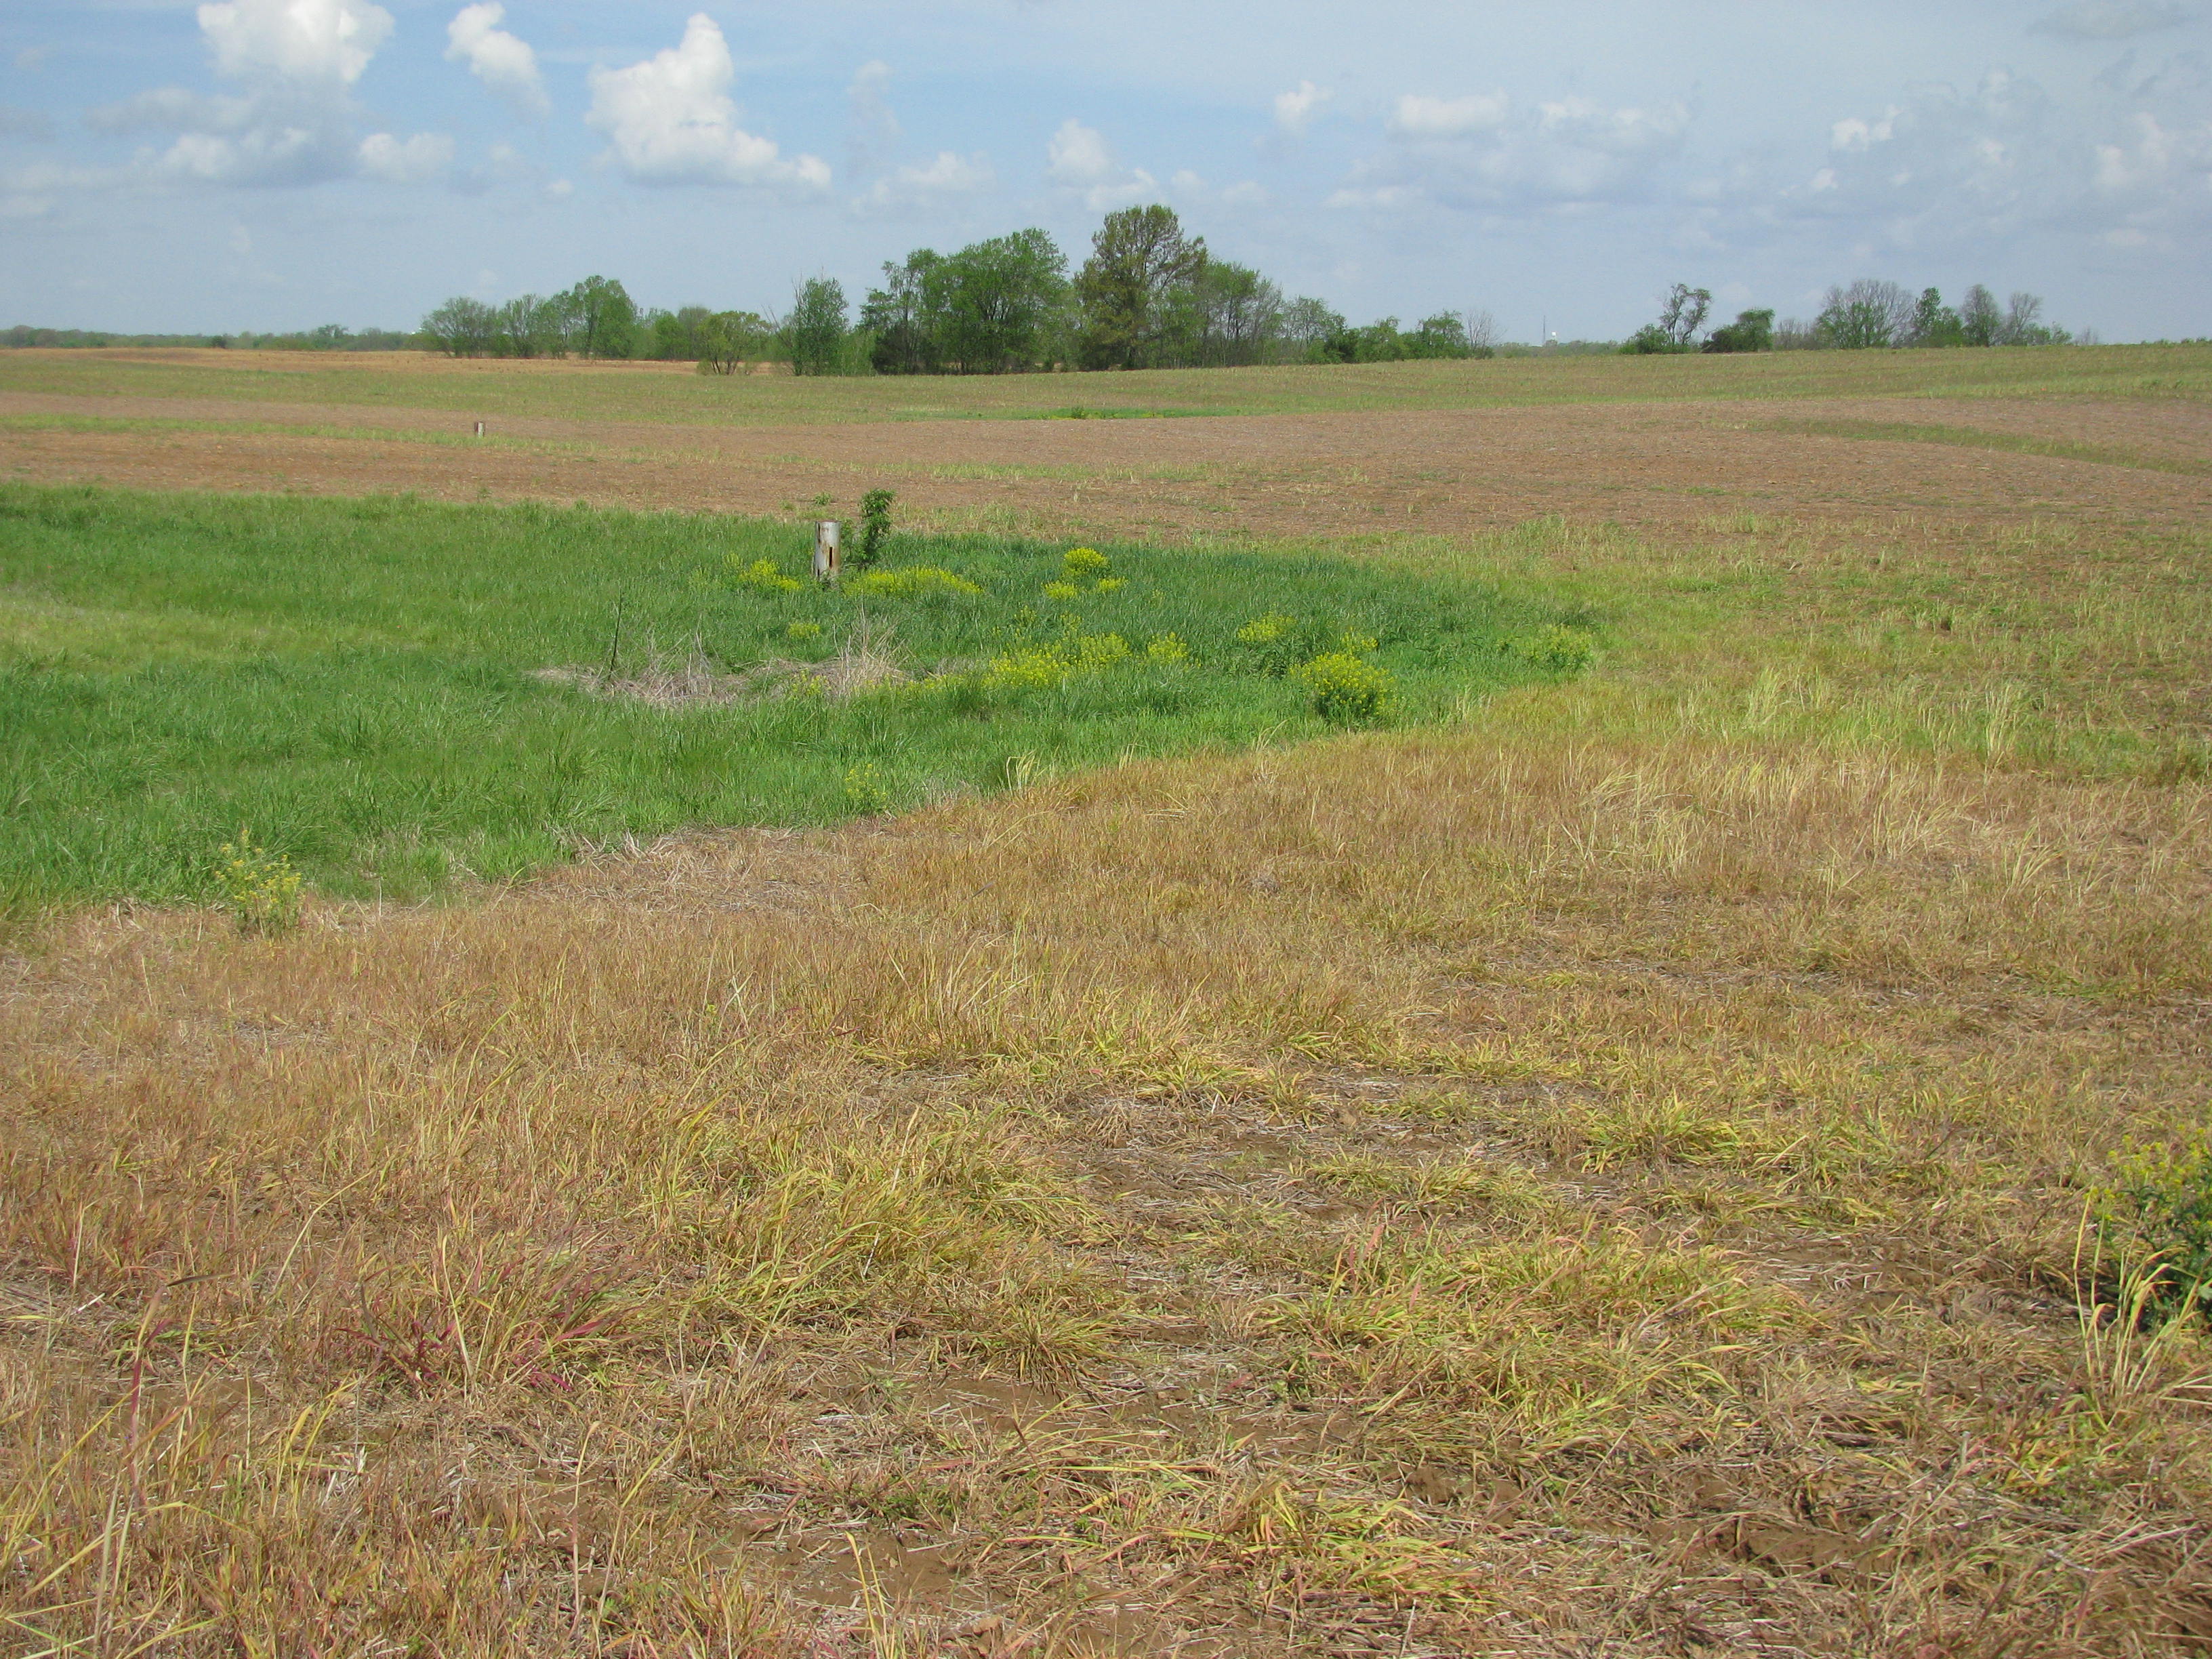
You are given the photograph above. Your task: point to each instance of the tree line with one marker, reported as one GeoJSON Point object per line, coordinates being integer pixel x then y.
{"type": "Point", "coordinates": [1870, 315]}
{"type": "Point", "coordinates": [1151, 295]}
{"type": "Point", "coordinates": [331, 337]}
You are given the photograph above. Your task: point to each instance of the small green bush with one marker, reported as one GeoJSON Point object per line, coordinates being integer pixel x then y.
{"type": "Point", "coordinates": [1269, 644]}
{"type": "Point", "coordinates": [866, 790]}
{"type": "Point", "coordinates": [762, 576]}
{"type": "Point", "coordinates": [260, 888]}
{"type": "Point", "coordinates": [875, 526]}
{"type": "Point", "coordinates": [1557, 649]}
{"type": "Point", "coordinates": [1346, 687]}
{"type": "Point", "coordinates": [2159, 1208]}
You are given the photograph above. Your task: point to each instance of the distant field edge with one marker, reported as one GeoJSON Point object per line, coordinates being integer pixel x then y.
{"type": "Point", "coordinates": [663, 393]}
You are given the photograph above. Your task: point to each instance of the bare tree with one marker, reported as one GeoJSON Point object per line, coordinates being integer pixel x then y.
{"type": "Point", "coordinates": [1867, 316]}
{"type": "Point", "coordinates": [1979, 319]}
{"type": "Point", "coordinates": [1685, 314]}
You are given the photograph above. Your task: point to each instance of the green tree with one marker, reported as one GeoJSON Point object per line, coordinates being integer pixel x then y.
{"type": "Point", "coordinates": [1443, 335]}
{"type": "Point", "coordinates": [905, 315]}
{"type": "Point", "coordinates": [602, 317]}
{"type": "Point", "coordinates": [998, 301]}
{"type": "Point", "coordinates": [1239, 316]}
{"type": "Point", "coordinates": [463, 327]}
{"type": "Point", "coordinates": [1309, 329]}
{"type": "Point", "coordinates": [1751, 330]}
{"type": "Point", "coordinates": [728, 339]}
{"type": "Point", "coordinates": [1934, 323]}
{"type": "Point", "coordinates": [1138, 259]}
{"type": "Point", "coordinates": [815, 332]}
{"type": "Point", "coordinates": [528, 327]}
{"type": "Point", "coordinates": [1980, 322]}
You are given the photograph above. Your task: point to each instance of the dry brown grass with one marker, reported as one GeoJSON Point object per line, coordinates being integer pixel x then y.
{"type": "Point", "coordinates": [1607, 1176]}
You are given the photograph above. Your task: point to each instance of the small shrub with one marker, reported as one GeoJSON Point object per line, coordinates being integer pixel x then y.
{"type": "Point", "coordinates": [1271, 644]}
{"type": "Point", "coordinates": [763, 574]}
{"type": "Point", "coordinates": [259, 887]}
{"type": "Point", "coordinates": [1557, 649]}
{"type": "Point", "coordinates": [875, 526]}
{"type": "Point", "coordinates": [1346, 687]}
{"type": "Point", "coordinates": [1038, 665]}
{"type": "Point", "coordinates": [2160, 1203]}
{"type": "Point", "coordinates": [1084, 563]}
{"type": "Point", "coordinates": [1028, 665]}
{"type": "Point", "coordinates": [1109, 585]}
{"type": "Point", "coordinates": [803, 630]}
{"type": "Point", "coordinates": [1168, 647]}
{"type": "Point", "coordinates": [865, 789]}
{"type": "Point", "coordinates": [911, 583]}
{"type": "Point", "coordinates": [1101, 651]}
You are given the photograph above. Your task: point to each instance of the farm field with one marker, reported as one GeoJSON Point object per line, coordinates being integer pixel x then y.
{"type": "Point", "coordinates": [1603, 1162]}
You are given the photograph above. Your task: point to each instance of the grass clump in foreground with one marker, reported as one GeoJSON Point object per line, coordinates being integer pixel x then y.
{"type": "Point", "coordinates": [390, 692]}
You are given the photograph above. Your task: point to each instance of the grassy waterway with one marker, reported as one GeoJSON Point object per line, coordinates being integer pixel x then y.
{"type": "Point", "coordinates": [364, 683]}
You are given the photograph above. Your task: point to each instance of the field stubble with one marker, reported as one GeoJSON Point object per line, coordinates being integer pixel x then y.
{"type": "Point", "coordinates": [1605, 1175]}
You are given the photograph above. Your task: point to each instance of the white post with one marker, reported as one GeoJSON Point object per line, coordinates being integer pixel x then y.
{"type": "Point", "coordinates": [825, 550]}
{"type": "Point", "coordinates": [479, 428]}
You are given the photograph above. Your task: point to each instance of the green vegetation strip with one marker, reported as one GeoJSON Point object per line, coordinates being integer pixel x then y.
{"type": "Point", "coordinates": [2017, 443]}
{"type": "Point", "coordinates": [389, 692]}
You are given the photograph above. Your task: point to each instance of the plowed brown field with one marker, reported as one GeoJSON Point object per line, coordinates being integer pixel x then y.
{"type": "Point", "coordinates": [1666, 468]}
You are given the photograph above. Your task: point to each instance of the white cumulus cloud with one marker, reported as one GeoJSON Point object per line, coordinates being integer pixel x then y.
{"type": "Point", "coordinates": [947, 178]}
{"type": "Point", "coordinates": [670, 120]}
{"type": "Point", "coordinates": [295, 41]}
{"type": "Point", "coordinates": [503, 62]}
{"type": "Point", "coordinates": [1484, 152]}
{"type": "Point", "coordinates": [405, 161]}
{"type": "Point", "coordinates": [1295, 109]}
{"type": "Point", "coordinates": [1078, 158]}
{"type": "Point", "coordinates": [1420, 117]}
{"type": "Point", "coordinates": [1944, 164]}
{"type": "Point", "coordinates": [1077, 155]}
{"type": "Point", "coordinates": [292, 120]}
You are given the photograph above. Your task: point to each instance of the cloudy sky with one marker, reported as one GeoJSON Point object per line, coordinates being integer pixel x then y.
{"type": "Point", "coordinates": [273, 164]}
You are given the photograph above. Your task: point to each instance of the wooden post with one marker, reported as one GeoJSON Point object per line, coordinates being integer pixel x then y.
{"type": "Point", "coordinates": [825, 550]}
{"type": "Point", "coordinates": [479, 428]}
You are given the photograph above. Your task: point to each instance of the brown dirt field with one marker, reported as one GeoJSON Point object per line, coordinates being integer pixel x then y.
{"type": "Point", "coordinates": [1664, 470]}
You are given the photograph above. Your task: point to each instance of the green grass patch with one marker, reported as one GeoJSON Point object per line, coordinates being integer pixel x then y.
{"type": "Point", "coordinates": [363, 685]}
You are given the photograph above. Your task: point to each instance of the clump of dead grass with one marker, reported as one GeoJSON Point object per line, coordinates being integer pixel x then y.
{"type": "Point", "coordinates": [865, 661]}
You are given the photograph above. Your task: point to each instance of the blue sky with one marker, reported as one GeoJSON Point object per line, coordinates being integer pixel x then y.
{"type": "Point", "coordinates": [280, 163]}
